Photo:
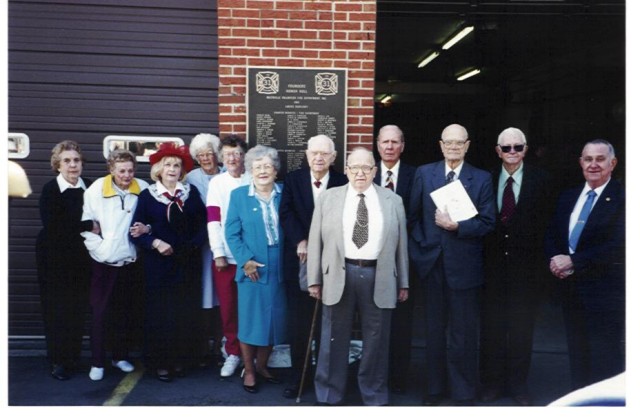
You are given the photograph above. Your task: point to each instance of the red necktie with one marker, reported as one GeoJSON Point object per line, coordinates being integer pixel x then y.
{"type": "Point", "coordinates": [508, 202]}
{"type": "Point", "coordinates": [317, 183]}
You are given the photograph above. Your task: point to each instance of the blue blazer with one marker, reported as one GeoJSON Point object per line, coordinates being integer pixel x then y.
{"type": "Point", "coordinates": [406, 173]}
{"type": "Point", "coordinates": [461, 250]}
{"type": "Point", "coordinates": [296, 212]}
{"type": "Point", "coordinates": [600, 253]}
{"type": "Point", "coordinates": [245, 232]}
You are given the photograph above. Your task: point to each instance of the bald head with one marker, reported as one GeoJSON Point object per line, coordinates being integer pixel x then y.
{"type": "Point", "coordinates": [454, 144]}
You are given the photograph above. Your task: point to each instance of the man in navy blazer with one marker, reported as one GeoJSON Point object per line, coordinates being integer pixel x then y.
{"type": "Point", "coordinates": [448, 256]}
{"type": "Point", "coordinates": [398, 177]}
{"type": "Point", "coordinates": [590, 267]}
{"type": "Point", "coordinates": [516, 270]}
{"type": "Point", "coordinates": [301, 188]}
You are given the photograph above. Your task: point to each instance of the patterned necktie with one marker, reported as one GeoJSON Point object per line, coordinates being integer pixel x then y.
{"type": "Point", "coordinates": [389, 184]}
{"type": "Point", "coordinates": [582, 219]}
{"type": "Point", "coordinates": [317, 183]}
{"type": "Point", "coordinates": [450, 176]}
{"type": "Point", "coordinates": [508, 202]}
{"type": "Point", "coordinates": [361, 227]}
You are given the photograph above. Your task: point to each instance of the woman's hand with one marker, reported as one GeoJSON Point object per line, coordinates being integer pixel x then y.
{"type": "Point", "coordinates": [251, 270]}
{"type": "Point", "coordinates": [162, 247]}
{"type": "Point", "coordinates": [138, 229]}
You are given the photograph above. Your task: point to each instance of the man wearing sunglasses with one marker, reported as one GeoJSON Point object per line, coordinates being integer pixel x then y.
{"type": "Point", "coordinates": [448, 256]}
{"type": "Point", "coordinates": [515, 266]}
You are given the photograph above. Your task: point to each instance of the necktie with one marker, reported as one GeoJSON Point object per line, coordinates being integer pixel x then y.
{"type": "Point", "coordinates": [450, 176]}
{"type": "Point", "coordinates": [361, 227]}
{"type": "Point", "coordinates": [389, 184]}
{"type": "Point", "coordinates": [582, 219]}
{"type": "Point", "coordinates": [508, 202]}
{"type": "Point", "coordinates": [317, 183]}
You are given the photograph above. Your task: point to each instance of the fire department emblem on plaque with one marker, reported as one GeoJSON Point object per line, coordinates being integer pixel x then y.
{"type": "Point", "coordinates": [327, 84]}
{"type": "Point", "coordinates": [267, 82]}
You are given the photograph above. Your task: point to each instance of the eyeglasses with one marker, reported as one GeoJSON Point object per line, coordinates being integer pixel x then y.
{"type": "Point", "coordinates": [322, 154]}
{"type": "Point", "coordinates": [454, 143]}
{"type": "Point", "coordinates": [355, 169]}
{"type": "Point", "coordinates": [208, 154]}
{"type": "Point", "coordinates": [235, 154]}
{"type": "Point", "coordinates": [265, 167]}
{"type": "Point", "coordinates": [507, 148]}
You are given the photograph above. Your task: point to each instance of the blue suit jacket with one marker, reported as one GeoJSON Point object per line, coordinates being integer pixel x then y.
{"type": "Point", "coordinates": [461, 250]}
{"type": "Point", "coordinates": [600, 253]}
{"type": "Point", "coordinates": [296, 212]}
{"type": "Point", "coordinates": [245, 232]}
{"type": "Point", "coordinates": [406, 173]}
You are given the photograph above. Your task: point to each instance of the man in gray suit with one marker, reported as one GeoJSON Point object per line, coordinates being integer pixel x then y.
{"type": "Point", "coordinates": [357, 259]}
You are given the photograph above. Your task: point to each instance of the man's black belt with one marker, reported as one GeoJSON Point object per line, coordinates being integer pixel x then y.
{"type": "Point", "coordinates": [363, 263]}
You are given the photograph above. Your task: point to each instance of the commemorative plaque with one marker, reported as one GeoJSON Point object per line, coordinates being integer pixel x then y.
{"type": "Point", "coordinates": [287, 106]}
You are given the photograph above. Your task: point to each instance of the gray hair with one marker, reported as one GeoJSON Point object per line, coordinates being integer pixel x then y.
{"type": "Point", "coordinates": [391, 128]}
{"type": "Point", "coordinates": [120, 155]}
{"type": "Point", "coordinates": [612, 152]}
{"type": "Point", "coordinates": [259, 152]}
{"type": "Point", "coordinates": [511, 131]}
{"type": "Point", "coordinates": [319, 138]}
{"type": "Point", "coordinates": [203, 142]}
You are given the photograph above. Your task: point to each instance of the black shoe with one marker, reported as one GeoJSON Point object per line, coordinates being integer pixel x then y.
{"type": "Point", "coordinates": [268, 378]}
{"type": "Point", "coordinates": [59, 373]}
{"type": "Point", "coordinates": [164, 376]}
{"type": "Point", "coordinates": [464, 402]}
{"type": "Point", "coordinates": [179, 372]}
{"type": "Point", "coordinates": [490, 394]}
{"type": "Point", "coordinates": [522, 399]}
{"type": "Point", "coordinates": [397, 387]}
{"type": "Point", "coordinates": [432, 400]}
{"type": "Point", "coordinates": [290, 392]}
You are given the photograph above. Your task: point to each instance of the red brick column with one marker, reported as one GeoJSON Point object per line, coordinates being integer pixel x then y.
{"type": "Point", "coordinates": [298, 33]}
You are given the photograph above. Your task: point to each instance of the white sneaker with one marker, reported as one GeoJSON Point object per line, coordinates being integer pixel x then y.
{"type": "Point", "coordinates": [123, 365]}
{"type": "Point", "coordinates": [230, 364]}
{"type": "Point", "coordinates": [96, 373]}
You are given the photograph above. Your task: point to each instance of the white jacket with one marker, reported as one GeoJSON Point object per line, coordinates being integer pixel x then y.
{"type": "Point", "coordinates": [114, 214]}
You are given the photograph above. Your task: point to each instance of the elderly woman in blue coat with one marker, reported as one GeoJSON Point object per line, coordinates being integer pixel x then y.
{"type": "Point", "coordinates": [253, 234]}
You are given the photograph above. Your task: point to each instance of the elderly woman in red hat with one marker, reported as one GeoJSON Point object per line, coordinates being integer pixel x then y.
{"type": "Point", "coordinates": [175, 220]}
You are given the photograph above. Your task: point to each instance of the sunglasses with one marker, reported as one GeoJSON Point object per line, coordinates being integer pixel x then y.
{"type": "Point", "coordinates": [507, 148]}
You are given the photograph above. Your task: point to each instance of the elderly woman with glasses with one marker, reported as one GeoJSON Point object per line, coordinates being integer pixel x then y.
{"type": "Point", "coordinates": [176, 217]}
{"type": "Point", "coordinates": [254, 236]}
{"type": "Point", "coordinates": [204, 149]}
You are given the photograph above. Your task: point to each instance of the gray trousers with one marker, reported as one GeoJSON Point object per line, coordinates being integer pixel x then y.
{"type": "Point", "coordinates": [337, 323]}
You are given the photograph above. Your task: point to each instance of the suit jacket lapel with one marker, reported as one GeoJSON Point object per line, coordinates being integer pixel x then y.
{"type": "Point", "coordinates": [438, 178]}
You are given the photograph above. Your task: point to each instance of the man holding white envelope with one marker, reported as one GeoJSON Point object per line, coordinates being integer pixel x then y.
{"type": "Point", "coordinates": [446, 245]}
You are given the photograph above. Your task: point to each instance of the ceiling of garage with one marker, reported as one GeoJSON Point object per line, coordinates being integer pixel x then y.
{"type": "Point", "coordinates": [524, 44]}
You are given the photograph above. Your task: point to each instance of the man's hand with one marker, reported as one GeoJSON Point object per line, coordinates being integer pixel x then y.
{"type": "Point", "coordinates": [302, 251]}
{"type": "Point", "coordinates": [403, 294]}
{"type": "Point", "coordinates": [315, 291]}
{"type": "Point", "coordinates": [443, 220]}
{"type": "Point", "coordinates": [561, 266]}
{"type": "Point", "coordinates": [221, 263]}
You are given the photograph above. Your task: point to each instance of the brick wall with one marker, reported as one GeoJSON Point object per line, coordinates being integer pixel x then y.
{"type": "Point", "coordinates": [298, 33]}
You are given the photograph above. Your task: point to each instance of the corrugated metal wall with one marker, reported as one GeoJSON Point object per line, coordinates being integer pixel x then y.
{"type": "Point", "coordinates": [85, 69]}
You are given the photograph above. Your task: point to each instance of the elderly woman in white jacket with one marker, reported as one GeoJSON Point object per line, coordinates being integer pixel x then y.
{"type": "Point", "coordinates": [110, 203]}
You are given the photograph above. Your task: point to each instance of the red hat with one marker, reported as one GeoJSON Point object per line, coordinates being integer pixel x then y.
{"type": "Point", "coordinates": [172, 149]}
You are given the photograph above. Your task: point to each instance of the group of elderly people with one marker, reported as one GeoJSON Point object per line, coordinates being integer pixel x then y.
{"type": "Point", "coordinates": [207, 239]}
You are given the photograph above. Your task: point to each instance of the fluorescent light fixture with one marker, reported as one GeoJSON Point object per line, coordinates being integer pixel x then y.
{"type": "Point", "coordinates": [457, 37]}
{"type": "Point", "coordinates": [386, 99]}
{"type": "Point", "coordinates": [430, 58]}
{"type": "Point", "coordinates": [468, 74]}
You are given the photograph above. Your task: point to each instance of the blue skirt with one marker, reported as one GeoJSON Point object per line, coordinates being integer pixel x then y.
{"type": "Point", "coordinates": [262, 306]}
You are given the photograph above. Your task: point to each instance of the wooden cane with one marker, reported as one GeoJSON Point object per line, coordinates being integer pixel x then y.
{"type": "Point", "coordinates": [306, 357]}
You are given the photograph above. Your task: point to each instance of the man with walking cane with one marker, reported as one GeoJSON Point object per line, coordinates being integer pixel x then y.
{"type": "Point", "coordinates": [357, 259]}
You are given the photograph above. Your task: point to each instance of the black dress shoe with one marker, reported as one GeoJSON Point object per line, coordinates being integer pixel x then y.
{"type": "Point", "coordinates": [268, 378]}
{"type": "Point", "coordinates": [321, 404]}
{"type": "Point", "coordinates": [164, 376]}
{"type": "Point", "coordinates": [432, 400]}
{"type": "Point", "coordinates": [490, 394]}
{"type": "Point", "coordinates": [250, 389]}
{"type": "Point", "coordinates": [397, 387]}
{"type": "Point", "coordinates": [464, 402]}
{"type": "Point", "coordinates": [179, 372]}
{"type": "Point", "coordinates": [290, 392]}
{"type": "Point", "coordinates": [59, 373]}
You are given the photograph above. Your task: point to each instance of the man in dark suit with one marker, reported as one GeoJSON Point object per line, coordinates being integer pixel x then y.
{"type": "Point", "coordinates": [357, 261]}
{"type": "Point", "coordinates": [301, 188]}
{"type": "Point", "coordinates": [448, 256]}
{"type": "Point", "coordinates": [516, 269]}
{"type": "Point", "coordinates": [585, 244]}
{"type": "Point", "coordinates": [398, 177]}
